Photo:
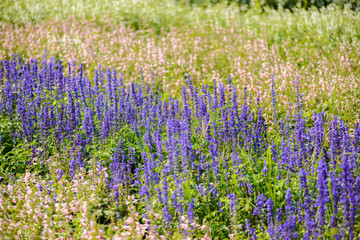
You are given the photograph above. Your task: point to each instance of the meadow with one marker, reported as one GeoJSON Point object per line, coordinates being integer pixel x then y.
{"type": "Point", "coordinates": [178, 120]}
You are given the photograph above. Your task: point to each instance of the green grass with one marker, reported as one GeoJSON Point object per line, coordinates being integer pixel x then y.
{"type": "Point", "coordinates": [329, 25]}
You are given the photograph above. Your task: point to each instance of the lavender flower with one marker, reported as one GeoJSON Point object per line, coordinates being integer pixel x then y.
{"type": "Point", "coordinates": [323, 194]}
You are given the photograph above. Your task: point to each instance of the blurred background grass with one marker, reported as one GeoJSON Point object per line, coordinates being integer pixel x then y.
{"type": "Point", "coordinates": [281, 18]}
{"type": "Point", "coordinates": [325, 22]}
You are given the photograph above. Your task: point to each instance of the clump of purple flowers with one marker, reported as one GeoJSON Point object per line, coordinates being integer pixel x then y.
{"type": "Point", "coordinates": [207, 155]}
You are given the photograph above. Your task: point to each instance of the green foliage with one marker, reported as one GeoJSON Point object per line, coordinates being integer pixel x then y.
{"type": "Point", "coordinates": [276, 4]}
{"type": "Point", "coordinates": [163, 14]}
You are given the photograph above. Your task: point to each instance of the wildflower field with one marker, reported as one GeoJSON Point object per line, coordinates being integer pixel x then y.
{"type": "Point", "coordinates": [163, 119]}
